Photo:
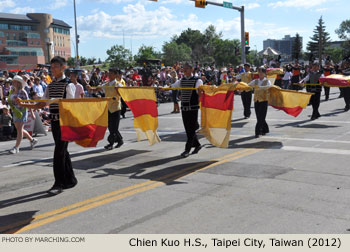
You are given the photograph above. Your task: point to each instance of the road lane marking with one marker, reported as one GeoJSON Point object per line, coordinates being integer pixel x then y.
{"type": "Point", "coordinates": [82, 206]}
{"type": "Point", "coordinates": [316, 150]}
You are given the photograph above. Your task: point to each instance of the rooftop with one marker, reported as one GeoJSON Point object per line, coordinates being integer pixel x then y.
{"type": "Point", "coordinates": [21, 17]}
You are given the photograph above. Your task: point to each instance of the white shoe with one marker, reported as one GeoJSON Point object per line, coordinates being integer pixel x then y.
{"type": "Point", "coordinates": [14, 150]}
{"type": "Point", "coordinates": [33, 143]}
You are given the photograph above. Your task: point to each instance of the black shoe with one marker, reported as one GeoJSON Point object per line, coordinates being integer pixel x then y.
{"type": "Point", "coordinates": [197, 149]}
{"type": "Point", "coordinates": [346, 108]}
{"type": "Point", "coordinates": [55, 190]}
{"type": "Point", "coordinates": [327, 98]}
{"type": "Point", "coordinates": [70, 185]}
{"type": "Point", "coordinates": [109, 147]}
{"type": "Point", "coordinates": [123, 116]}
{"type": "Point", "coordinates": [119, 144]}
{"type": "Point", "coordinates": [313, 118]}
{"type": "Point", "coordinates": [256, 135]}
{"type": "Point", "coordinates": [185, 154]}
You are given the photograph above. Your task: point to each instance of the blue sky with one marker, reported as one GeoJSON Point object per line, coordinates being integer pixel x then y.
{"type": "Point", "coordinates": [101, 23]}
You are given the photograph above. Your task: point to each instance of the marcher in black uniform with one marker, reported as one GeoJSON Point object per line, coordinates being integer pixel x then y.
{"type": "Point", "coordinates": [313, 78]}
{"type": "Point", "coordinates": [189, 108]}
{"type": "Point", "coordinates": [345, 70]}
{"type": "Point", "coordinates": [296, 76]}
{"type": "Point", "coordinates": [246, 96]}
{"type": "Point", "coordinates": [327, 70]}
{"type": "Point", "coordinates": [261, 87]}
{"type": "Point", "coordinates": [60, 88]}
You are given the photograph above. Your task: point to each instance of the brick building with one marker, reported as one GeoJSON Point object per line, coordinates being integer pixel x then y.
{"type": "Point", "coordinates": [31, 39]}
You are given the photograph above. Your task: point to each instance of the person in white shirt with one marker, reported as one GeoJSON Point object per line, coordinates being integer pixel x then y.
{"type": "Point", "coordinates": [37, 88]}
{"type": "Point", "coordinates": [189, 108]}
{"type": "Point", "coordinates": [79, 90]}
{"type": "Point", "coordinates": [261, 87]}
{"type": "Point", "coordinates": [58, 88]}
{"type": "Point", "coordinates": [287, 77]}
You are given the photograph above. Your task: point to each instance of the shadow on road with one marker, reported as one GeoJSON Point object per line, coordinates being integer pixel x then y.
{"type": "Point", "coordinates": [12, 223]}
{"type": "Point", "coordinates": [23, 199]}
{"type": "Point", "coordinates": [102, 160]}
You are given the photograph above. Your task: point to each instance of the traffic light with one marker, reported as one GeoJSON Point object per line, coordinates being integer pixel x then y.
{"type": "Point", "coordinates": [236, 51]}
{"type": "Point", "coordinates": [201, 3]}
{"type": "Point", "coordinates": [247, 50]}
{"type": "Point", "coordinates": [246, 38]}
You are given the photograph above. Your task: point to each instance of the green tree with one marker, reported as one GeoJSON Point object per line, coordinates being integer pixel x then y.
{"type": "Point", "coordinates": [343, 33]}
{"type": "Point", "coordinates": [297, 47]}
{"type": "Point", "coordinates": [91, 61]}
{"type": "Point", "coordinates": [146, 52]}
{"type": "Point", "coordinates": [82, 61]}
{"type": "Point", "coordinates": [172, 53]}
{"type": "Point", "coordinates": [336, 54]}
{"type": "Point", "coordinates": [193, 39]}
{"type": "Point", "coordinates": [71, 62]}
{"type": "Point", "coordinates": [319, 41]}
{"type": "Point", "coordinates": [118, 56]}
{"type": "Point", "coordinates": [224, 53]}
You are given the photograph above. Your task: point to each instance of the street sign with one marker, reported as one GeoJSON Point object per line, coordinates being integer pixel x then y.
{"type": "Point", "coordinates": [227, 5]}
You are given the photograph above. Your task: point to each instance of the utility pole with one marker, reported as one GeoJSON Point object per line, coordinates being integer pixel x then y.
{"type": "Point", "coordinates": [203, 3]}
{"type": "Point", "coordinates": [76, 38]}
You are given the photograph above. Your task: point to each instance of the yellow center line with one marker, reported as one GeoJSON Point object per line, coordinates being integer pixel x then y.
{"type": "Point", "coordinates": [85, 205]}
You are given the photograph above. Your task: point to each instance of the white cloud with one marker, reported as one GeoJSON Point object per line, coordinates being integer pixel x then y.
{"type": "Point", "coordinates": [176, 2]}
{"type": "Point", "coordinates": [56, 4]}
{"type": "Point", "coordinates": [321, 9]}
{"type": "Point", "coordinates": [112, 1]}
{"type": "Point", "coordinates": [163, 23]}
{"type": "Point", "coordinates": [252, 6]}
{"type": "Point", "coordinates": [22, 10]}
{"type": "Point", "coordinates": [5, 4]}
{"type": "Point", "coordinates": [298, 3]}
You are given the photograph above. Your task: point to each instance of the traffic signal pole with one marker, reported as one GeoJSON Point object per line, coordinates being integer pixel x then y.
{"type": "Point", "coordinates": [241, 10]}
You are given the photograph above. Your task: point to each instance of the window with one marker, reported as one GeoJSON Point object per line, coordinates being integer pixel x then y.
{"type": "Point", "coordinates": [15, 27]}
{"type": "Point", "coordinates": [7, 35]}
{"type": "Point", "coordinates": [2, 34]}
{"type": "Point", "coordinates": [38, 42]}
{"type": "Point", "coordinates": [0, 42]}
{"type": "Point", "coordinates": [31, 42]}
{"type": "Point", "coordinates": [14, 36]}
{"type": "Point", "coordinates": [4, 26]}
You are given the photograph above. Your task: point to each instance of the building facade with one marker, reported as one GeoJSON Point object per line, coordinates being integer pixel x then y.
{"type": "Point", "coordinates": [31, 39]}
{"type": "Point", "coordinates": [284, 45]}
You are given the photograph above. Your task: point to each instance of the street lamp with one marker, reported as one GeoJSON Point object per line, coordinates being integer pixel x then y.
{"type": "Point", "coordinates": [76, 37]}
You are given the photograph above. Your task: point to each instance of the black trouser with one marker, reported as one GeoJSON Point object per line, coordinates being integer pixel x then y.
{"type": "Point", "coordinates": [326, 91]}
{"type": "Point", "coordinates": [295, 79]}
{"type": "Point", "coordinates": [174, 96]}
{"type": "Point", "coordinates": [315, 102]}
{"type": "Point", "coordinates": [346, 92]}
{"type": "Point", "coordinates": [261, 111]}
{"type": "Point", "coordinates": [62, 165]}
{"type": "Point", "coordinates": [190, 120]}
{"type": "Point", "coordinates": [124, 106]}
{"type": "Point", "coordinates": [247, 101]}
{"type": "Point", "coordinates": [113, 126]}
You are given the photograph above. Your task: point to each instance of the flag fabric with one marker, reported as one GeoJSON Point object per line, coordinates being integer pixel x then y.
{"type": "Point", "coordinates": [272, 71]}
{"type": "Point", "coordinates": [83, 121]}
{"type": "Point", "coordinates": [336, 80]}
{"type": "Point", "coordinates": [143, 104]}
{"type": "Point", "coordinates": [291, 102]}
{"type": "Point", "coordinates": [216, 112]}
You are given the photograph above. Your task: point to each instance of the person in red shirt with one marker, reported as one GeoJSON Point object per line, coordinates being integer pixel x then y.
{"type": "Point", "coordinates": [136, 77]}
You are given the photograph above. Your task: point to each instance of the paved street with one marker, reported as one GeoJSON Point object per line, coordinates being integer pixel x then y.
{"type": "Point", "coordinates": [294, 180]}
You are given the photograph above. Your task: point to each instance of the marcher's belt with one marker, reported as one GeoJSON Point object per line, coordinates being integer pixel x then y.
{"type": "Point", "coordinates": [188, 108]}
{"type": "Point", "coordinates": [54, 117]}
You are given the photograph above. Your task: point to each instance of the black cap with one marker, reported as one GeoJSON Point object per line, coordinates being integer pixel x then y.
{"type": "Point", "coordinates": [247, 64]}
